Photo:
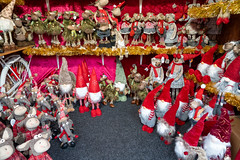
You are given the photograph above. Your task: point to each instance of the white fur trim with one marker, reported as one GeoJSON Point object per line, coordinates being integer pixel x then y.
{"type": "Point", "coordinates": [203, 86]}
{"type": "Point", "coordinates": [81, 92]}
{"type": "Point", "coordinates": [164, 129]}
{"type": "Point", "coordinates": [214, 147]}
{"type": "Point", "coordinates": [95, 97]}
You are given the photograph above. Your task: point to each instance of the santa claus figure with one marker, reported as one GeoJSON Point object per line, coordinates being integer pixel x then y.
{"type": "Point", "coordinates": [186, 147]}
{"type": "Point", "coordinates": [164, 100]}
{"type": "Point", "coordinates": [94, 94]}
{"type": "Point", "coordinates": [147, 111]}
{"type": "Point", "coordinates": [232, 52]}
{"type": "Point", "coordinates": [215, 71]}
{"type": "Point", "coordinates": [217, 142]}
{"type": "Point", "coordinates": [207, 60]}
{"type": "Point", "coordinates": [183, 109]}
{"type": "Point", "coordinates": [197, 106]}
{"type": "Point", "coordinates": [166, 125]}
{"type": "Point", "coordinates": [81, 91]}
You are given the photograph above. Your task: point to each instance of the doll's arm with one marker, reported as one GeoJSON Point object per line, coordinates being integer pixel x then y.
{"type": "Point", "coordinates": [95, 17]}
{"type": "Point", "coordinates": [174, 31]}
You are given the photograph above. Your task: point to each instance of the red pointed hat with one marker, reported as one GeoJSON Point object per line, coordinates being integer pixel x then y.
{"type": "Point", "coordinates": [183, 94]}
{"type": "Point", "coordinates": [85, 63]}
{"type": "Point", "coordinates": [165, 94]}
{"type": "Point", "coordinates": [233, 70]}
{"type": "Point", "coordinates": [212, 102]}
{"type": "Point", "coordinates": [200, 92]}
{"type": "Point", "coordinates": [189, 56]}
{"type": "Point", "coordinates": [149, 100]}
{"type": "Point", "coordinates": [93, 85]}
{"type": "Point", "coordinates": [170, 115]}
{"type": "Point", "coordinates": [80, 80]}
{"type": "Point", "coordinates": [192, 136]}
{"type": "Point", "coordinates": [208, 56]}
{"type": "Point", "coordinates": [85, 72]}
{"type": "Point", "coordinates": [222, 129]}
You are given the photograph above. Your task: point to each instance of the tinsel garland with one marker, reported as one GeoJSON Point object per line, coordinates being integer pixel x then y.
{"type": "Point", "coordinates": [110, 52]}
{"type": "Point", "coordinates": [230, 98]}
{"type": "Point", "coordinates": [213, 9]}
{"type": "Point", "coordinates": [18, 2]}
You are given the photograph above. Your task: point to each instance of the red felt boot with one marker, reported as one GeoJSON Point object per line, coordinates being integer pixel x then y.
{"type": "Point", "coordinates": [166, 142]}
{"type": "Point", "coordinates": [144, 128]}
{"type": "Point", "coordinates": [93, 113]}
{"type": "Point", "coordinates": [149, 130]}
{"type": "Point", "coordinates": [81, 109]}
{"type": "Point", "coordinates": [86, 109]}
{"type": "Point", "coordinates": [98, 112]}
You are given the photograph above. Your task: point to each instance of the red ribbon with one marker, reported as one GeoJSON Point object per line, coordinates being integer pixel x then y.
{"type": "Point", "coordinates": [154, 69]}
{"type": "Point", "coordinates": [196, 111]}
{"type": "Point", "coordinates": [173, 66]}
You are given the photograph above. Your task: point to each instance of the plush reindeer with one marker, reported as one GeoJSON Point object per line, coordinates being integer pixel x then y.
{"type": "Point", "coordinates": [135, 87]}
{"type": "Point", "coordinates": [38, 145]}
{"type": "Point", "coordinates": [142, 90]}
{"type": "Point", "coordinates": [110, 94]}
{"type": "Point", "coordinates": [7, 149]}
{"type": "Point", "coordinates": [38, 27]}
{"type": "Point", "coordinates": [21, 97]}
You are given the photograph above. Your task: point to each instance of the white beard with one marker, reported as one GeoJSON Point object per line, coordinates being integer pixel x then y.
{"type": "Point", "coordinates": [180, 149]}
{"type": "Point", "coordinates": [162, 106]}
{"type": "Point", "coordinates": [145, 113]}
{"type": "Point", "coordinates": [214, 147]}
{"type": "Point", "coordinates": [120, 85]}
{"type": "Point", "coordinates": [81, 92]}
{"type": "Point", "coordinates": [208, 110]}
{"type": "Point", "coordinates": [65, 88]}
{"type": "Point", "coordinates": [202, 67]}
{"type": "Point", "coordinates": [95, 97]}
{"type": "Point", "coordinates": [213, 72]}
{"type": "Point", "coordinates": [164, 129]}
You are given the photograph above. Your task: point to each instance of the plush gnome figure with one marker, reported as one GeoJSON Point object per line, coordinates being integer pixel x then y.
{"type": "Point", "coordinates": [209, 108]}
{"type": "Point", "coordinates": [164, 100]}
{"type": "Point", "coordinates": [197, 106]}
{"type": "Point", "coordinates": [81, 90]}
{"type": "Point", "coordinates": [207, 60]}
{"type": "Point", "coordinates": [186, 147]}
{"type": "Point", "coordinates": [183, 109]}
{"type": "Point", "coordinates": [166, 125]}
{"type": "Point", "coordinates": [215, 71]}
{"type": "Point", "coordinates": [217, 142]}
{"type": "Point", "coordinates": [231, 78]}
{"type": "Point", "coordinates": [94, 94]}
{"type": "Point", "coordinates": [147, 111]}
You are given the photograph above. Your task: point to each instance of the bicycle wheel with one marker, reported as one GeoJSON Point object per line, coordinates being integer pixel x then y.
{"type": "Point", "coordinates": [12, 78]}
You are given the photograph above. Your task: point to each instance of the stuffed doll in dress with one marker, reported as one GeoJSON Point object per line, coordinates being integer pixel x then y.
{"type": "Point", "coordinates": [67, 23]}
{"type": "Point", "coordinates": [136, 29]}
{"type": "Point", "coordinates": [149, 28]}
{"type": "Point", "coordinates": [94, 95]}
{"type": "Point", "coordinates": [7, 149]}
{"type": "Point", "coordinates": [171, 34]}
{"type": "Point", "coordinates": [38, 27]}
{"type": "Point", "coordinates": [39, 145]}
{"type": "Point", "coordinates": [88, 28]}
{"type": "Point", "coordinates": [104, 23]}
{"type": "Point", "coordinates": [202, 40]}
{"type": "Point", "coordinates": [182, 39]}
{"type": "Point", "coordinates": [192, 31]}
{"type": "Point", "coordinates": [126, 28]}
{"type": "Point", "coordinates": [53, 27]}
{"type": "Point", "coordinates": [161, 29]}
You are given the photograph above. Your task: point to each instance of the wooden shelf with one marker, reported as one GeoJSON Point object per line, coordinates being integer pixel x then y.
{"type": "Point", "coordinates": [16, 50]}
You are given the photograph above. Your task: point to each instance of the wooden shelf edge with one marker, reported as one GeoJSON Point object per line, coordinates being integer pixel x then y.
{"type": "Point", "coordinates": [16, 50]}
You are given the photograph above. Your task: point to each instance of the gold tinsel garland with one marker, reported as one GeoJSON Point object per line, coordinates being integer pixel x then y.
{"type": "Point", "coordinates": [110, 52]}
{"type": "Point", "coordinates": [213, 9]}
{"type": "Point", "coordinates": [18, 2]}
{"type": "Point", "coordinates": [230, 98]}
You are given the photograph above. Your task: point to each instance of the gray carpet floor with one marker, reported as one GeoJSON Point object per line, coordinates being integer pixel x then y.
{"type": "Point", "coordinates": [116, 135]}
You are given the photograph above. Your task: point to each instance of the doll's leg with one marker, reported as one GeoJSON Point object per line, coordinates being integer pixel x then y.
{"type": "Point", "coordinates": [104, 102]}
{"type": "Point", "coordinates": [5, 39]}
{"type": "Point", "coordinates": [92, 106]}
{"type": "Point", "coordinates": [39, 40]}
{"type": "Point", "coordinates": [10, 38]}
{"type": "Point", "coordinates": [137, 100]}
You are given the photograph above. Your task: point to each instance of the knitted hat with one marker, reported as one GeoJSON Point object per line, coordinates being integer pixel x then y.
{"type": "Point", "coordinates": [80, 80]}
{"type": "Point", "coordinates": [165, 94]}
{"type": "Point", "coordinates": [208, 56]}
{"type": "Point", "coordinates": [119, 5]}
{"type": "Point", "coordinates": [85, 63]}
{"type": "Point", "coordinates": [218, 62]}
{"type": "Point", "coordinates": [183, 94]}
{"type": "Point", "coordinates": [189, 56]}
{"type": "Point", "coordinates": [64, 76]}
{"type": "Point", "coordinates": [222, 129]}
{"type": "Point", "coordinates": [192, 136]}
{"type": "Point", "coordinates": [212, 102]}
{"type": "Point", "coordinates": [233, 70]}
{"type": "Point", "coordinates": [200, 92]}
{"type": "Point", "coordinates": [85, 72]}
{"type": "Point", "coordinates": [93, 85]}
{"type": "Point", "coordinates": [149, 100]}
{"type": "Point", "coordinates": [170, 115]}
{"type": "Point", "coordinates": [162, 57]}
{"type": "Point", "coordinates": [191, 88]}
{"type": "Point", "coordinates": [8, 10]}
